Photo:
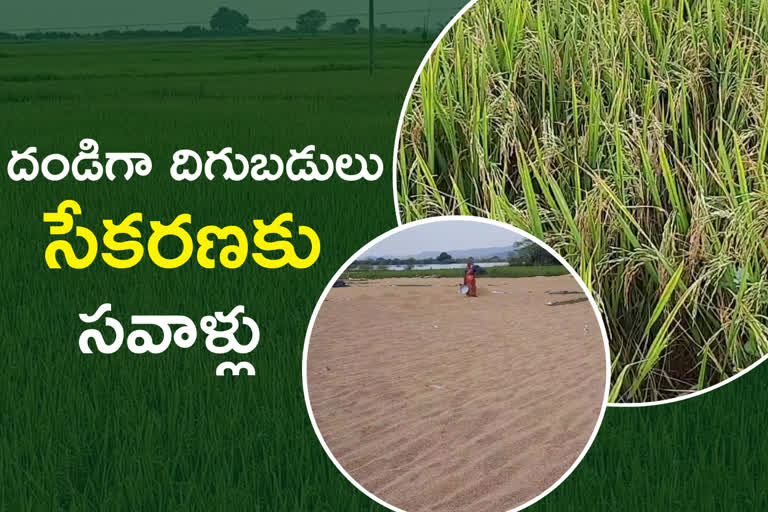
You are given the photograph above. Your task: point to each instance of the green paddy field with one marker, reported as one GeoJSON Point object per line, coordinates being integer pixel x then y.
{"type": "Point", "coordinates": [131, 432]}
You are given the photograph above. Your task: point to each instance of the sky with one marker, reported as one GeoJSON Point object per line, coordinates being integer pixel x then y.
{"type": "Point", "coordinates": [97, 15]}
{"type": "Point", "coordinates": [443, 236]}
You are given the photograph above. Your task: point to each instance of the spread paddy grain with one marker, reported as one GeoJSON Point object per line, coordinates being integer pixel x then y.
{"type": "Point", "coordinates": [433, 401]}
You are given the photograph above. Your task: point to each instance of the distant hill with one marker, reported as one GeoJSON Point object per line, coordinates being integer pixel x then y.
{"type": "Point", "coordinates": [476, 253]}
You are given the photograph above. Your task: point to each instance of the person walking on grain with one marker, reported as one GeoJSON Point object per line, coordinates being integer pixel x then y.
{"type": "Point", "coordinates": [470, 278]}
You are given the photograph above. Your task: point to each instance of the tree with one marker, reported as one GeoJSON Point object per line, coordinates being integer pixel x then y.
{"type": "Point", "coordinates": [193, 31]}
{"type": "Point", "coordinates": [348, 26]}
{"type": "Point", "coordinates": [444, 257]}
{"type": "Point", "coordinates": [530, 253]}
{"type": "Point", "coordinates": [229, 21]}
{"type": "Point", "coordinates": [310, 21]}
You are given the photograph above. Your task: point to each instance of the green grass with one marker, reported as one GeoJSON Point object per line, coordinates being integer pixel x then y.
{"type": "Point", "coordinates": [631, 137]}
{"type": "Point", "coordinates": [126, 432]}
{"type": "Point", "coordinates": [508, 271]}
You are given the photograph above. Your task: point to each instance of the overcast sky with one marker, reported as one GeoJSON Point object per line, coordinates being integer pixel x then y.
{"type": "Point", "coordinates": [29, 15]}
{"type": "Point", "coordinates": [443, 236]}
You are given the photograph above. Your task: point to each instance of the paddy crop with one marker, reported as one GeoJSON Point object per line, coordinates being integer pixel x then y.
{"type": "Point", "coordinates": [631, 137]}
{"type": "Point", "coordinates": [120, 432]}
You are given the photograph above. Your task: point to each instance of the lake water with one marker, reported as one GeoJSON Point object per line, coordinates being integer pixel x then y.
{"type": "Point", "coordinates": [436, 266]}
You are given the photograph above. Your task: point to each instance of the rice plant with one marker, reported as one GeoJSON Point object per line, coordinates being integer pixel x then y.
{"type": "Point", "coordinates": [123, 432]}
{"type": "Point", "coordinates": [632, 136]}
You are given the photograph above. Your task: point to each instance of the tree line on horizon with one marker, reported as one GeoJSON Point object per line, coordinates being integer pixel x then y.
{"type": "Point", "coordinates": [229, 22]}
{"type": "Point", "coordinates": [442, 258]}
{"type": "Point", "coordinates": [525, 253]}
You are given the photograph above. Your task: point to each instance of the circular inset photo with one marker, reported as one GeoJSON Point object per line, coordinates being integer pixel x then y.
{"type": "Point", "coordinates": [632, 137]}
{"type": "Point", "coordinates": [456, 364]}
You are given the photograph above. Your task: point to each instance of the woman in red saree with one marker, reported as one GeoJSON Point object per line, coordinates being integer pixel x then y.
{"type": "Point", "coordinates": [470, 278]}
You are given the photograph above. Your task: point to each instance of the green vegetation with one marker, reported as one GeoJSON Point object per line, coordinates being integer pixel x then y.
{"type": "Point", "coordinates": [128, 432]}
{"type": "Point", "coordinates": [632, 137]}
{"type": "Point", "coordinates": [132, 432]}
{"type": "Point", "coordinates": [505, 271]}
{"type": "Point", "coordinates": [230, 23]}
{"type": "Point", "coordinates": [531, 253]}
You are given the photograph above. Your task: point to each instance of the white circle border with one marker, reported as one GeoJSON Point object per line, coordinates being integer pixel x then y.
{"type": "Point", "coordinates": [461, 218]}
{"type": "Point", "coordinates": [400, 220]}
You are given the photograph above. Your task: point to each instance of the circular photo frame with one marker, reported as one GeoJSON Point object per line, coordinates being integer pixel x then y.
{"type": "Point", "coordinates": [437, 391]}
